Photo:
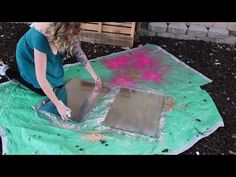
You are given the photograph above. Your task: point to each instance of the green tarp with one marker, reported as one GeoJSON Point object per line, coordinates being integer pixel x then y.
{"type": "Point", "coordinates": [193, 116]}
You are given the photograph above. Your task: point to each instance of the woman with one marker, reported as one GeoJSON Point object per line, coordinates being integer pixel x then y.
{"type": "Point", "coordinates": [39, 61]}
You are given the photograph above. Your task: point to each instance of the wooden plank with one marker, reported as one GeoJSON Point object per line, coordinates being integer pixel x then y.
{"type": "Point", "coordinates": [118, 24]}
{"type": "Point", "coordinates": [116, 29]}
{"type": "Point", "coordinates": [93, 22]}
{"type": "Point", "coordinates": [87, 26]}
{"type": "Point", "coordinates": [108, 39]}
{"type": "Point", "coordinates": [132, 29]}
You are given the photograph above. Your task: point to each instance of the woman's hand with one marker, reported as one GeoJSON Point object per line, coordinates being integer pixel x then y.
{"type": "Point", "coordinates": [98, 83]}
{"type": "Point", "coordinates": [63, 110]}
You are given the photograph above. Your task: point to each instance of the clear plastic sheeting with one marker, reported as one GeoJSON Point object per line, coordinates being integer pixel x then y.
{"type": "Point", "coordinates": [143, 65]}
{"type": "Point", "coordinates": [141, 112]}
{"type": "Point", "coordinates": [189, 113]}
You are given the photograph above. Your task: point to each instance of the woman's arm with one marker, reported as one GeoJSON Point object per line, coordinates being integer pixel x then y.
{"type": "Point", "coordinates": [40, 69]}
{"type": "Point", "coordinates": [82, 58]}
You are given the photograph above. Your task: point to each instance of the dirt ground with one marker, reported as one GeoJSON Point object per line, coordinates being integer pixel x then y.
{"type": "Point", "coordinates": [216, 61]}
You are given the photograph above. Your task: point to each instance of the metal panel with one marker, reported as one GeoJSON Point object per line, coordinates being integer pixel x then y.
{"type": "Point", "coordinates": [79, 96]}
{"type": "Point", "coordinates": [135, 111]}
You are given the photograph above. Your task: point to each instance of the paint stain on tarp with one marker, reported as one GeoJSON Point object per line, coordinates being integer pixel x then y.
{"type": "Point", "coordinates": [133, 74]}
{"type": "Point", "coordinates": [128, 70]}
{"type": "Point", "coordinates": [198, 131]}
{"type": "Point", "coordinates": [123, 80]}
{"type": "Point", "coordinates": [165, 150]}
{"type": "Point", "coordinates": [37, 136]}
{"type": "Point", "coordinates": [151, 76]}
{"type": "Point", "coordinates": [169, 104]}
{"type": "Point", "coordinates": [93, 137]}
{"type": "Point", "coordinates": [102, 141]}
{"type": "Point", "coordinates": [117, 62]}
{"type": "Point", "coordinates": [142, 61]}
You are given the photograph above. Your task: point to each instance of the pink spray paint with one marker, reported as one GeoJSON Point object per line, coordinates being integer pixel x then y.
{"type": "Point", "coordinates": [151, 76]}
{"type": "Point", "coordinates": [144, 65]}
{"type": "Point", "coordinates": [123, 81]}
{"type": "Point", "coordinates": [142, 61]}
{"type": "Point", "coordinates": [118, 62]}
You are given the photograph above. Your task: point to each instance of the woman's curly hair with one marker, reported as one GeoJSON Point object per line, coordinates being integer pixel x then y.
{"type": "Point", "coordinates": [63, 35]}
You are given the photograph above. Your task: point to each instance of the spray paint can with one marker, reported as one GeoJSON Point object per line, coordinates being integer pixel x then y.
{"type": "Point", "coordinates": [68, 114]}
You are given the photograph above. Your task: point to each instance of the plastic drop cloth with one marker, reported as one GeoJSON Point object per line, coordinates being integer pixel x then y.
{"type": "Point", "coordinates": [192, 115]}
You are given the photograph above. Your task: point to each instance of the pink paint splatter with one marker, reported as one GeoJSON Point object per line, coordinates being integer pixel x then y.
{"type": "Point", "coordinates": [142, 61]}
{"type": "Point", "coordinates": [151, 76]}
{"type": "Point", "coordinates": [117, 62]}
{"type": "Point", "coordinates": [123, 81]}
{"type": "Point", "coordinates": [138, 66]}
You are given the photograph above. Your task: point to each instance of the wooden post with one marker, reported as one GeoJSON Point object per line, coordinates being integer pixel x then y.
{"type": "Point", "coordinates": [132, 29]}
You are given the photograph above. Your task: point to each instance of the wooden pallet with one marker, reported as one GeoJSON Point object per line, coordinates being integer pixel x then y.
{"type": "Point", "coordinates": [110, 33]}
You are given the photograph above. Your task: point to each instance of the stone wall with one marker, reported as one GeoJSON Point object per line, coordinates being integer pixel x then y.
{"type": "Point", "coordinates": [219, 32]}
